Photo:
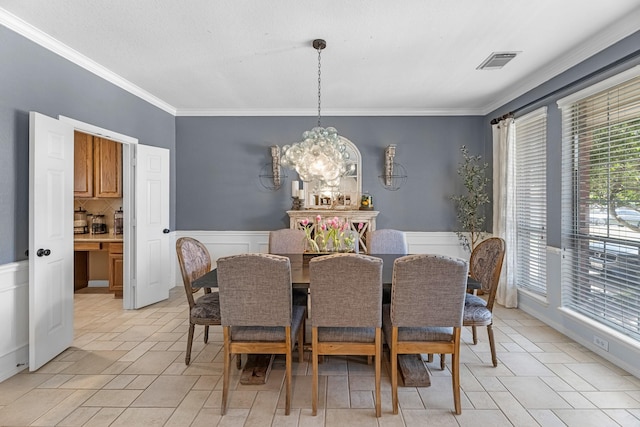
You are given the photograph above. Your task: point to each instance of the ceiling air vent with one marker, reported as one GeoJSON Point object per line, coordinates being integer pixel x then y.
{"type": "Point", "coordinates": [497, 60]}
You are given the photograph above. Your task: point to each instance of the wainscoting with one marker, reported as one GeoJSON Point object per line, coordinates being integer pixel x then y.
{"type": "Point", "coordinates": [14, 318]}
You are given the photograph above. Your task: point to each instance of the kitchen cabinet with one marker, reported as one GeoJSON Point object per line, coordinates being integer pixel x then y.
{"type": "Point", "coordinates": [83, 165]}
{"type": "Point", "coordinates": [116, 269]}
{"type": "Point", "coordinates": [97, 167]}
{"type": "Point", "coordinates": [112, 248]}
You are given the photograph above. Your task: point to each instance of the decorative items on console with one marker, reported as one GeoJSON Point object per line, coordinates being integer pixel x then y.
{"type": "Point", "coordinates": [297, 194]}
{"type": "Point", "coordinates": [330, 235]}
{"type": "Point", "coordinates": [361, 223]}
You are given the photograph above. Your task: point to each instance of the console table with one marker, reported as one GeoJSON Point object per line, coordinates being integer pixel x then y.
{"type": "Point", "coordinates": [353, 217]}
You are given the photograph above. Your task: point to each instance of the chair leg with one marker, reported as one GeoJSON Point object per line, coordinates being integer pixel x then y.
{"type": "Point", "coordinates": [314, 363]}
{"type": "Point", "coordinates": [430, 358]}
{"type": "Point", "coordinates": [455, 371]}
{"type": "Point", "coordinates": [187, 358]}
{"type": "Point", "coordinates": [394, 369]}
{"type": "Point", "coordinates": [239, 361]}
{"type": "Point", "coordinates": [492, 344]}
{"type": "Point", "coordinates": [288, 362]}
{"type": "Point", "coordinates": [378, 356]}
{"type": "Point", "coordinates": [475, 335]}
{"type": "Point", "coordinates": [226, 373]}
{"type": "Point", "coordinates": [206, 334]}
{"type": "Point", "coordinates": [442, 361]}
{"type": "Point", "coordinates": [301, 342]}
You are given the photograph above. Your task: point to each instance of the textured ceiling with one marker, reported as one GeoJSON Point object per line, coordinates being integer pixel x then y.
{"type": "Point", "coordinates": [242, 57]}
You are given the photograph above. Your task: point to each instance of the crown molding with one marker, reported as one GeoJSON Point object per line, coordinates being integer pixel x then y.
{"type": "Point", "coordinates": [597, 43]}
{"type": "Point", "coordinates": [35, 35]}
{"type": "Point", "coordinates": [409, 112]}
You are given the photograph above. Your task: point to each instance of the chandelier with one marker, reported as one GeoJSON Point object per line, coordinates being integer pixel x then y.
{"type": "Point", "coordinates": [321, 155]}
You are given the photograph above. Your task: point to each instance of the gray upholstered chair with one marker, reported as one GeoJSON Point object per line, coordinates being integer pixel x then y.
{"type": "Point", "coordinates": [257, 315]}
{"type": "Point", "coordinates": [195, 261]}
{"type": "Point", "coordinates": [346, 311]}
{"type": "Point", "coordinates": [388, 241]}
{"type": "Point", "coordinates": [425, 314]}
{"type": "Point", "coordinates": [286, 241]}
{"type": "Point", "coordinates": [289, 241]}
{"type": "Point", "coordinates": [485, 266]}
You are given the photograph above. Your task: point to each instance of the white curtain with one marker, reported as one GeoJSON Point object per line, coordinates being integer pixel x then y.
{"type": "Point", "coordinates": [504, 209]}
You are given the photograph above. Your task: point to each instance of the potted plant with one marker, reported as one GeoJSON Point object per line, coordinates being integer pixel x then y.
{"type": "Point", "coordinates": [470, 205]}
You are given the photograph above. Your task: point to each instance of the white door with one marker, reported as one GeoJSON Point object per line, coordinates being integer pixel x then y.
{"type": "Point", "coordinates": [50, 238]}
{"type": "Point", "coordinates": [151, 201]}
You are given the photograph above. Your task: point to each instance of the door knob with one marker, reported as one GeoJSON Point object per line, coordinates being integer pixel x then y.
{"type": "Point", "coordinates": [166, 231]}
{"type": "Point", "coordinates": [43, 252]}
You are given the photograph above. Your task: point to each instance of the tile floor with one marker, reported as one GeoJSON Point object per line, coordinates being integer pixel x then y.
{"type": "Point", "coordinates": [126, 368]}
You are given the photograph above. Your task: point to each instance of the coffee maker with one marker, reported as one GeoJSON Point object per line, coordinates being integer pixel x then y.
{"type": "Point", "coordinates": [98, 226]}
{"type": "Point", "coordinates": [118, 218]}
{"type": "Point", "coordinates": [80, 221]}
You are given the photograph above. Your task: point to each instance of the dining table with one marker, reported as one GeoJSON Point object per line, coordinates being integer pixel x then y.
{"type": "Point", "coordinates": [411, 367]}
{"type": "Point", "coordinates": [300, 272]}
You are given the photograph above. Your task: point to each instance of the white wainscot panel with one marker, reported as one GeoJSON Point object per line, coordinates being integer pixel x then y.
{"type": "Point", "coordinates": [14, 318]}
{"type": "Point", "coordinates": [441, 243]}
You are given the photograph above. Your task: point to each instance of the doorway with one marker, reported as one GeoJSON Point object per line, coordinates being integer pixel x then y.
{"type": "Point", "coordinates": [145, 268]}
{"type": "Point", "coordinates": [110, 263]}
{"type": "Point", "coordinates": [98, 215]}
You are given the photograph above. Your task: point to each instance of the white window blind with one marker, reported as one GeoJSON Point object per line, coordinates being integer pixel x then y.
{"type": "Point", "coordinates": [601, 204]}
{"type": "Point", "coordinates": [530, 159]}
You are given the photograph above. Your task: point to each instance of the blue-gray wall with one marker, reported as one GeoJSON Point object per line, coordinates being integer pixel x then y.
{"type": "Point", "coordinates": [34, 79]}
{"type": "Point", "coordinates": [219, 159]}
{"type": "Point", "coordinates": [216, 160]}
{"type": "Point", "coordinates": [613, 54]}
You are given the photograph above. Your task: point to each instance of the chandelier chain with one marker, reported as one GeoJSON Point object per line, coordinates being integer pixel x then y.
{"type": "Point", "coordinates": [319, 75]}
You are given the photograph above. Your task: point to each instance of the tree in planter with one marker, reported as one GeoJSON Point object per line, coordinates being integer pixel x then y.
{"type": "Point", "coordinates": [470, 205]}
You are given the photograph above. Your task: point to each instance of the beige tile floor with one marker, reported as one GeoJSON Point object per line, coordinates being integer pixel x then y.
{"type": "Point", "coordinates": [126, 368]}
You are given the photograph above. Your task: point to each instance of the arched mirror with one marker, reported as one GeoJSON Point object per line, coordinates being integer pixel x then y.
{"type": "Point", "coordinates": [346, 195]}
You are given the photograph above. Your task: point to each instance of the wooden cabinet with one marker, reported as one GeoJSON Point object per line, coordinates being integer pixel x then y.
{"type": "Point", "coordinates": [116, 269]}
{"type": "Point", "coordinates": [83, 165]}
{"type": "Point", "coordinates": [97, 167]}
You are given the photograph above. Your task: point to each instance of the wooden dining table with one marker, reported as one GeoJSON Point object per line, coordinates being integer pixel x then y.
{"type": "Point", "coordinates": [300, 272]}
{"type": "Point", "coordinates": [412, 369]}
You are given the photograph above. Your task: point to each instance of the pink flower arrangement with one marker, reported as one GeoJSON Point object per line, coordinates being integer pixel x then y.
{"type": "Point", "coordinates": [329, 235]}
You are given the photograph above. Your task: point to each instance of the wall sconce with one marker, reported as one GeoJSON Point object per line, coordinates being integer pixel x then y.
{"type": "Point", "coordinates": [395, 175]}
{"type": "Point", "coordinates": [271, 175]}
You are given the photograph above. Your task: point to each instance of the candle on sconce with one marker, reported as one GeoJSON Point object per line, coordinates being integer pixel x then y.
{"type": "Point", "coordinates": [294, 188]}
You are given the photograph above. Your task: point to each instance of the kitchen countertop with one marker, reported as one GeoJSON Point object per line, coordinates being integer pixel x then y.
{"type": "Point", "coordinates": [97, 238]}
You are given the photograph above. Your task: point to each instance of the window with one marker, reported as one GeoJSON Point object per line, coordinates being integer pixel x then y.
{"type": "Point", "coordinates": [531, 201]}
{"type": "Point", "coordinates": [601, 202]}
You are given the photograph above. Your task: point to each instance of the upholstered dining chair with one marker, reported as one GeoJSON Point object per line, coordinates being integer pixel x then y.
{"type": "Point", "coordinates": [289, 241]}
{"type": "Point", "coordinates": [346, 311]}
{"type": "Point", "coordinates": [425, 314]}
{"type": "Point", "coordinates": [256, 312]}
{"type": "Point", "coordinates": [485, 266]}
{"type": "Point", "coordinates": [195, 261]}
{"type": "Point", "coordinates": [388, 241]}
{"type": "Point", "coordinates": [286, 241]}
